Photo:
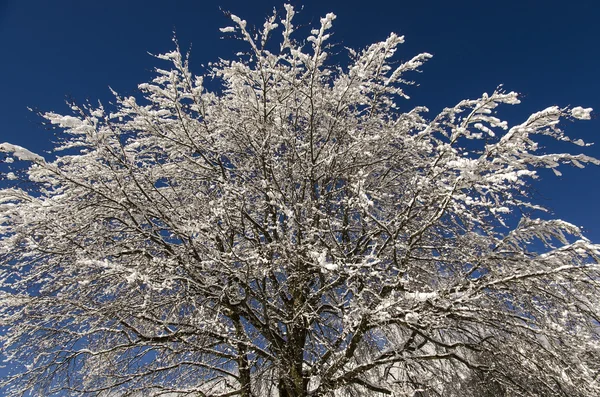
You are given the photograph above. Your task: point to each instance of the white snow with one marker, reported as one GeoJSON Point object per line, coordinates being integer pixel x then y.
{"type": "Point", "coordinates": [420, 296]}
{"type": "Point", "coordinates": [239, 21]}
{"type": "Point", "coordinates": [581, 113]}
{"type": "Point", "coordinates": [412, 317]}
{"type": "Point", "coordinates": [321, 259]}
{"type": "Point", "coordinates": [20, 152]}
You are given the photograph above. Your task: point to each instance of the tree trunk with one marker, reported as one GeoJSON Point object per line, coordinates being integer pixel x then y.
{"type": "Point", "coordinates": [242, 360]}
{"type": "Point", "coordinates": [292, 382]}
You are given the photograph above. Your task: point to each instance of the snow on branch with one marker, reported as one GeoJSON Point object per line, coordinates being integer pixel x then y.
{"type": "Point", "coordinates": [20, 152]}
{"type": "Point", "coordinates": [290, 230]}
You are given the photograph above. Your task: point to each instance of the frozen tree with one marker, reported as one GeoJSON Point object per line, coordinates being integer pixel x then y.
{"type": "Point", "coordinates": [293, 233]}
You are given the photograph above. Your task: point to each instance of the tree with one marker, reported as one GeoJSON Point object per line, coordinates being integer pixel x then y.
{"type": "Point", "coordinates": [293, 233]}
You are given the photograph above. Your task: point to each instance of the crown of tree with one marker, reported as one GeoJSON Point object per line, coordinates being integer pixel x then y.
{"type": "Point", "coordinates": [294, 233]}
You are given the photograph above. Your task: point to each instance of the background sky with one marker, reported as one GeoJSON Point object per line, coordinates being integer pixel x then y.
{"type": "Point", "coordinates": [547, 50]}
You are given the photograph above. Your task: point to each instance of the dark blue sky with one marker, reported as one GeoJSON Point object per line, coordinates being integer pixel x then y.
{"type": "Point", "coordinates": [546, 49]}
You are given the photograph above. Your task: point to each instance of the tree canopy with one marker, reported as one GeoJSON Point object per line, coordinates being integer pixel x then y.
{"type": "Point", "coordinates": [288, 229]}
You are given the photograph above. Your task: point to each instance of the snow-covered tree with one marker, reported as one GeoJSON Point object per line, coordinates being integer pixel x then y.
{"type": "Point", "coordinates": [293, 233]}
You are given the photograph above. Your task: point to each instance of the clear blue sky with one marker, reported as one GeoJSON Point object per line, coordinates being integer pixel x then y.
{"type": "Point", "coordinates": [545, 49]}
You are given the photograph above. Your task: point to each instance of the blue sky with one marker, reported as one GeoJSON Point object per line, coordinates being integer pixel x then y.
{"type": "Point", "coordinates": [546, 49]}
